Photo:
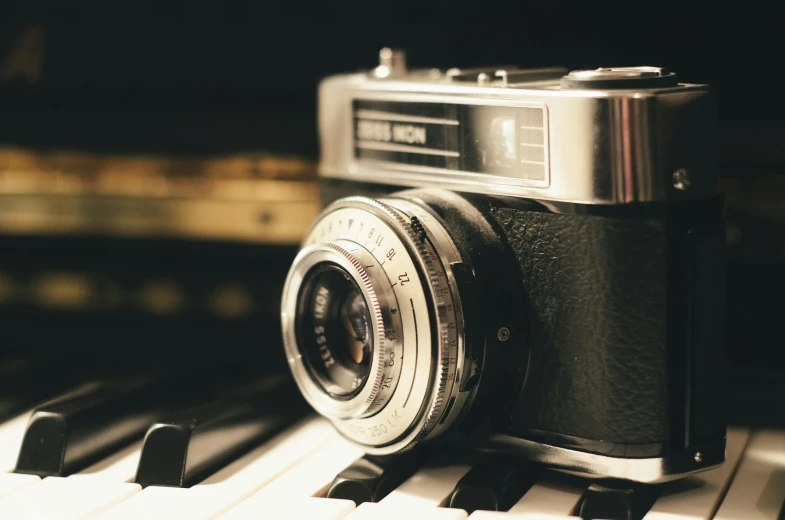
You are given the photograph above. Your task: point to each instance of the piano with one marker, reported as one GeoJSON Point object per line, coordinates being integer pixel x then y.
{"type": "Point", "coordinates": [183, 447]}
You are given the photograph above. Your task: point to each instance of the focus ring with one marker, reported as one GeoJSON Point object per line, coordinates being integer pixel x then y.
{"type": "Point", "coordinates": [376, 311]}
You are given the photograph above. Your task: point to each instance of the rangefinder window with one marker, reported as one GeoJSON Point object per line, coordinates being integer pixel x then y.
{"type": "Point", "coordinates": [509, 142]}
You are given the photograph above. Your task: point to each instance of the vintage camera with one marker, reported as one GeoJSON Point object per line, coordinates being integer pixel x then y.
{"type": "Point", "coordinates": [550, 286]}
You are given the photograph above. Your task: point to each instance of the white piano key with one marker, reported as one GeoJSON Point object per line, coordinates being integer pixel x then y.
{"type": "Point", "coordinates": [311, 508]}
{"type": "Point", "coordinates": [380, 511]}
{"type": "Point", "coordinates": [70, 498]}
{"type": "Point", "coordinates": [165, 503]}
{"type": "Point", "coordinates": [259, 467]}
{"type": "Point", "coordinates": [152, 503]}
{"type": "Point", "coordinates": [118, 467]}
{"type": "Point", "coordinates": [502, 515]}
{"type": "Point", "coordinates": [232, 484]}
{"type": "Point", "coordinates": [429, 487]}
{"type": "Point", "coordinates": [758, 488]}
{"type": "Point", "coordinates": [697, 497]}
{"type": "Point", "coordinates": [13, 482]}
{"type": "Point", "coordinates": [12, 433]}
{"type": "Point", "coordinates": [310, 477]}
{"type": "Point", "coordinates": [553, 494]}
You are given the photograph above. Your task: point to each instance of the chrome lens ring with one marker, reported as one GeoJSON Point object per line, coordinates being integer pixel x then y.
{"type": "Point", "coordinates": [407, 255]}
{"type": "Point", "coordinates": [378, 302]}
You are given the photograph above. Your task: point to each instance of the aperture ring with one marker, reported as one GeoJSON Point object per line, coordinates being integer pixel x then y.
{"type": "Point", "coordinates": [442, 298]}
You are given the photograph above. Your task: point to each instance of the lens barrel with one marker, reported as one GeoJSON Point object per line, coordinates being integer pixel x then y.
{"type": "Point", "coordinates": [373, 323]}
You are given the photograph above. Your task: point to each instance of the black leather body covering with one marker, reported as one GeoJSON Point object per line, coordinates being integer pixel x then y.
{"type": "Point", "coordinates": [597, 291]}
{"type": "Point", "coordinates": [625, 324]}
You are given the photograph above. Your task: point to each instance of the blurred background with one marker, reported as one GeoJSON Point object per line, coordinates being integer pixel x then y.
{"type": "Point", "coordinates": [157, 158]}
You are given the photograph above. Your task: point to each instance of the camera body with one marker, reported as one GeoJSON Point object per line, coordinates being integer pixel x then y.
{"type": "Point", "coordinates": [565, 244]}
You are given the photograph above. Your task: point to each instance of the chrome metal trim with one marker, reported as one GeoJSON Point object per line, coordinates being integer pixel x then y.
{"type": "Point", "coordinates": [404, 148]}
{"type": "Point", "coordinates": [366, 400]}
{"type": "Point", "coordinates": [605, 146]}
{"type": "Point", "coordinates": [391, 116]}
{"type": "Point", "coordinates": [645, 470]}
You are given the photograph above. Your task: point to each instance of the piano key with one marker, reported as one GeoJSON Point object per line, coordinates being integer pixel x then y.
{"type": "Point", "coordinates": [12, 482]}
{"type": "Point", "coordinates": [493, 486]}
{"type": "Point", "coordinates": [182, 449]}
{"type": "Point", "coordinates": [553, 493]}
{"type": "Point", "coordinates": [430, 486]}
{"type": "Point", "coordinates": [118, 467]}
{"type": "Point", "coordinates": [232, 484]}
{"type": "Point", "coordinates": [12, 432]}
{"type": "Point", "coordinates": [153, 503]}
{"type": "Point", "coordinates": [757, 491]}
{"type": "Point", "coordinates": [271, 460]}
{"type": "Point", "coordinates": [617, 500]}
{"type": "Point", "coordinates": [312, 508]}
{"type": "Point", "coordinates": [370, 478]}
{"type": "Point", "coordinates": [310, 477]}
{"type": "Point", "coordinates": [70, 433]}
{"type": "Point", "coordinates": [697, 497]}
{"type": "Point", "coordinates": [59, 498]}
{"type": "Point", "coordinates": [371, 511]}
{"type": "Point", "coordinates": [163, 503]}
{"type": "Point", "coordinates": [506, 515]}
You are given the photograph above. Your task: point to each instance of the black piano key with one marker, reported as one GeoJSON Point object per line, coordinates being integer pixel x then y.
{"type": "Point", "coordinates": [370, 479]}
{"type": "Point", "coordinates": [612, 500]}
{"type": "Point", "coordinates": [183, 448]}
{"type": "Point", "coordinates": [493, 486]}
{"type": "Point", "coordinates": [75, 430]}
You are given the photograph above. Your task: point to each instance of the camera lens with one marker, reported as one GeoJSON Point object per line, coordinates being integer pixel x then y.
{"type": "Point", "coordinates": [373, 323]}
{"type": "Point", "coordinates": [334, 330]}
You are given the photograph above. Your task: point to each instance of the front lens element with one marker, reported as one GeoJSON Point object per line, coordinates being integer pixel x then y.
{"type": "Point", "coordinates": [334, 330]}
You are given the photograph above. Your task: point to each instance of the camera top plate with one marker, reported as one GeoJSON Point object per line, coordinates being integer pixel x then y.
{"type": "Point", "coordinates": [604, 136]}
